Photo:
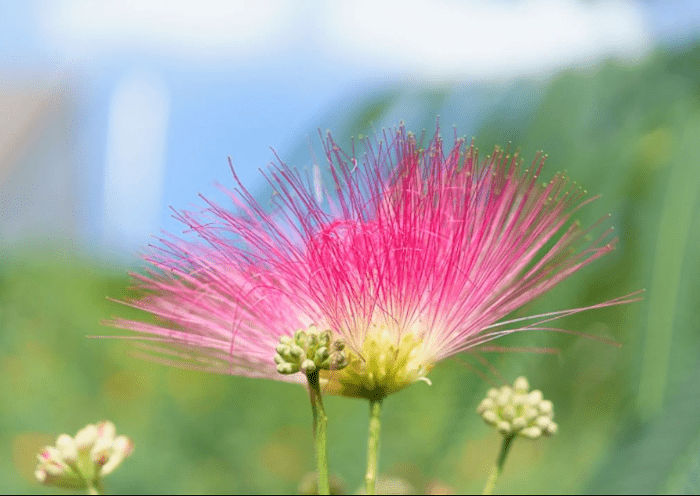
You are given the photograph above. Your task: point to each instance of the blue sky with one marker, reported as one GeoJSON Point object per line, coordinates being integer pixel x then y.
{"type": "Point", "coordinates": [169, 89]}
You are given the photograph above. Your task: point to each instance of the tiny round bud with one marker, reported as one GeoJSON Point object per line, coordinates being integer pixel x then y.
{"type": "Point", "coordinates": [521, 385]}
{"type": "Point", "coordinates": [40, 474]}
{"type": "Point", "coordinates": [300, 337]}
{"type": "Point", "coordinates": [338, 361]}
{"type": "Point", "coordinates": [504, 427]}
{"type": "Point", "coordinates": [86, 437]}
{"type": "Point", "coordinates": [546, 407]}
{"type": "Point", "coordinates": [530, 413]}
{"type": "Point", "coordinates": [120, 449]}
{"type": "Point", "coordinates": [518, 400]}
{"type": "Point", "coordinates": [286, 368]}
{"type": "Point", "coordinates": [531, 432]}
{"type": "Point", "coordinates": [535, 397]}
{"type": "Point", "coordinates": [519, 423]}
{"type": "Point", "coordinates": [508, 412]}
{"type": "Point", "coordinates": [308, 367]}
{"type": "Point", "coordinates": [492, 393]}
{"type": "Point", "coordinates": [503, 397]}
{"type": "Point", "coordinates": [67, 448]}
{"type": "Point", "coordinates": [321, 355]}
{"type": "Point", "coordinates": [543, 422]}
{"type": "Point", "coordinates": [490, 417]}
{"type": "Point", "coordinates": [552, 428]}
{"type": "Point", "coordinates": [486, 404]}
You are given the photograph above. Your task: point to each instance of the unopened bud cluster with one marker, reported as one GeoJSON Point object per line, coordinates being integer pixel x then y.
{"type": "Point", "coordinates": [309, 351]}
{"type": "Point", "coordinates": [516, 410]}
{"type": "Point", "coordinates": [81, 462]}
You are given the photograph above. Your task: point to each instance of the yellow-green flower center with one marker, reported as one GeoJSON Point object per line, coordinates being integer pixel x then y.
{"type": "Point", "coordinates": [385, 364]}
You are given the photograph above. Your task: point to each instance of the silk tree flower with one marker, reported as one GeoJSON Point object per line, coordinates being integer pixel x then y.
{"type": "Point", "coordinates": [412, 255]}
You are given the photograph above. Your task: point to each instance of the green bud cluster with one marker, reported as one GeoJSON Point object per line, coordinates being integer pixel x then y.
{"type": "Point", "coordinates": [309, 351]}
{"type": "Point", "coordinates": [516, 410]}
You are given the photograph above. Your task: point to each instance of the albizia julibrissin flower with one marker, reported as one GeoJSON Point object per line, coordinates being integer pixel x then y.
{"type": "Point", "coordinates": [412, 256]}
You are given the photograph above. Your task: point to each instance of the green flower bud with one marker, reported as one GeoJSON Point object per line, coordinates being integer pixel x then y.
{"type": "Point", "coordinates": [308, 367]}
{"type": "Point", "coordinates": [309, 351]}
{"type": "Point", "coordinates": [515, 410]}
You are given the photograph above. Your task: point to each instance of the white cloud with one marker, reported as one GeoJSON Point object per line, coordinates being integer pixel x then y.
{"type": "Point", "coordinates": [483, 40]}
{"type": "Point", "coordinates": [438, 40]}
{"type": "Point", "coordinates": [207, 28]}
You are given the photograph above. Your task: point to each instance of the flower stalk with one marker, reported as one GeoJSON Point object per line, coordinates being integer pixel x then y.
{"type": "Point", "coordinates": [309, 352]}
{"type": "Point", "coordinates": [320, 425]}
{"type": "Point", "coordinates": [498, 467]}
{"type": "Point", "coordinates": [515, 411]}
{"type": "Point", "coordinates": [375, 409]}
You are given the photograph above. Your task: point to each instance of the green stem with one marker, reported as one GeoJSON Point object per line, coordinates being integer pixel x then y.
{"type": "Point", "coordinates": [375, 411]}
{"type": "Point", "coordinates": [320, 424]}
{"type": "Point", "coordinates": [95, 488]}
{"type": "Point", "coordinates": [498, 468]}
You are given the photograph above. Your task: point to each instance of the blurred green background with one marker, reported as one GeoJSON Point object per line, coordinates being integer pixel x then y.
{"type": "Point", "coordinates": [629, 417]}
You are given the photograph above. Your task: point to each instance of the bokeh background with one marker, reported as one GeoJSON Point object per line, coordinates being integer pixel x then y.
{"type": "Point", "coordinates": [113, 111]}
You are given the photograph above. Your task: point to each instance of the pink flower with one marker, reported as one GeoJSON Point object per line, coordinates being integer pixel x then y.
{"type": "Point", "coordinates": [413, 256]}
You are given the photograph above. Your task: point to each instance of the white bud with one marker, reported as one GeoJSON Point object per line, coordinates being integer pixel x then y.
{"type": "Point", "coordinates": [503, 397]}
{"type": "Point", "coordinates": [534, 398]}
{"type": "Point", "coordinates": [86, 437]}
{"type": "Point", "coordinates": [530, 413]}
{"type": "Point", "coordinates": [492, 393]}
{"type": "Point", "coordinates": [486, 404]}
{"type": "Point", "coordinates": [518, 399]}
{"type": "Point", "coordinates": [121, 449]}
{"type": "Point", "coordinates": [101, 451]}
{"type": "Point", "coordinates": [531, 432]}
{"type": "Point", "coordinates": [504, 427]}
{"type": "Point", "coordinates": [552, 428]}
{"type": "Point", "coordinates": [490, 417]}
{"type": "Point", "coordinates": [543, 422]}
{"type": "Point", "coordinates": [67, 448]}
{"type": "Point", "coordinates": [546, 407]}
{"type": "Point", "coordinates": [519, 423]}
{"type": "Point", "coordinates": [48, 455]}
{"type": "Point", "coordinates": [40, 474]}
{"type": "Point", "coordinates": [521, 385]}
{"type": "Point", "coordinates": [123, 445]}
{"type": "Point", "coordinates": [508, 412]}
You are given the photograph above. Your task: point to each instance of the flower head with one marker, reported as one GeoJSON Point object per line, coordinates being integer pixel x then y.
{"type": "Point", "coordinates": [81, 462]}
{"type": "Point", "coordinates": [413, 255]}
